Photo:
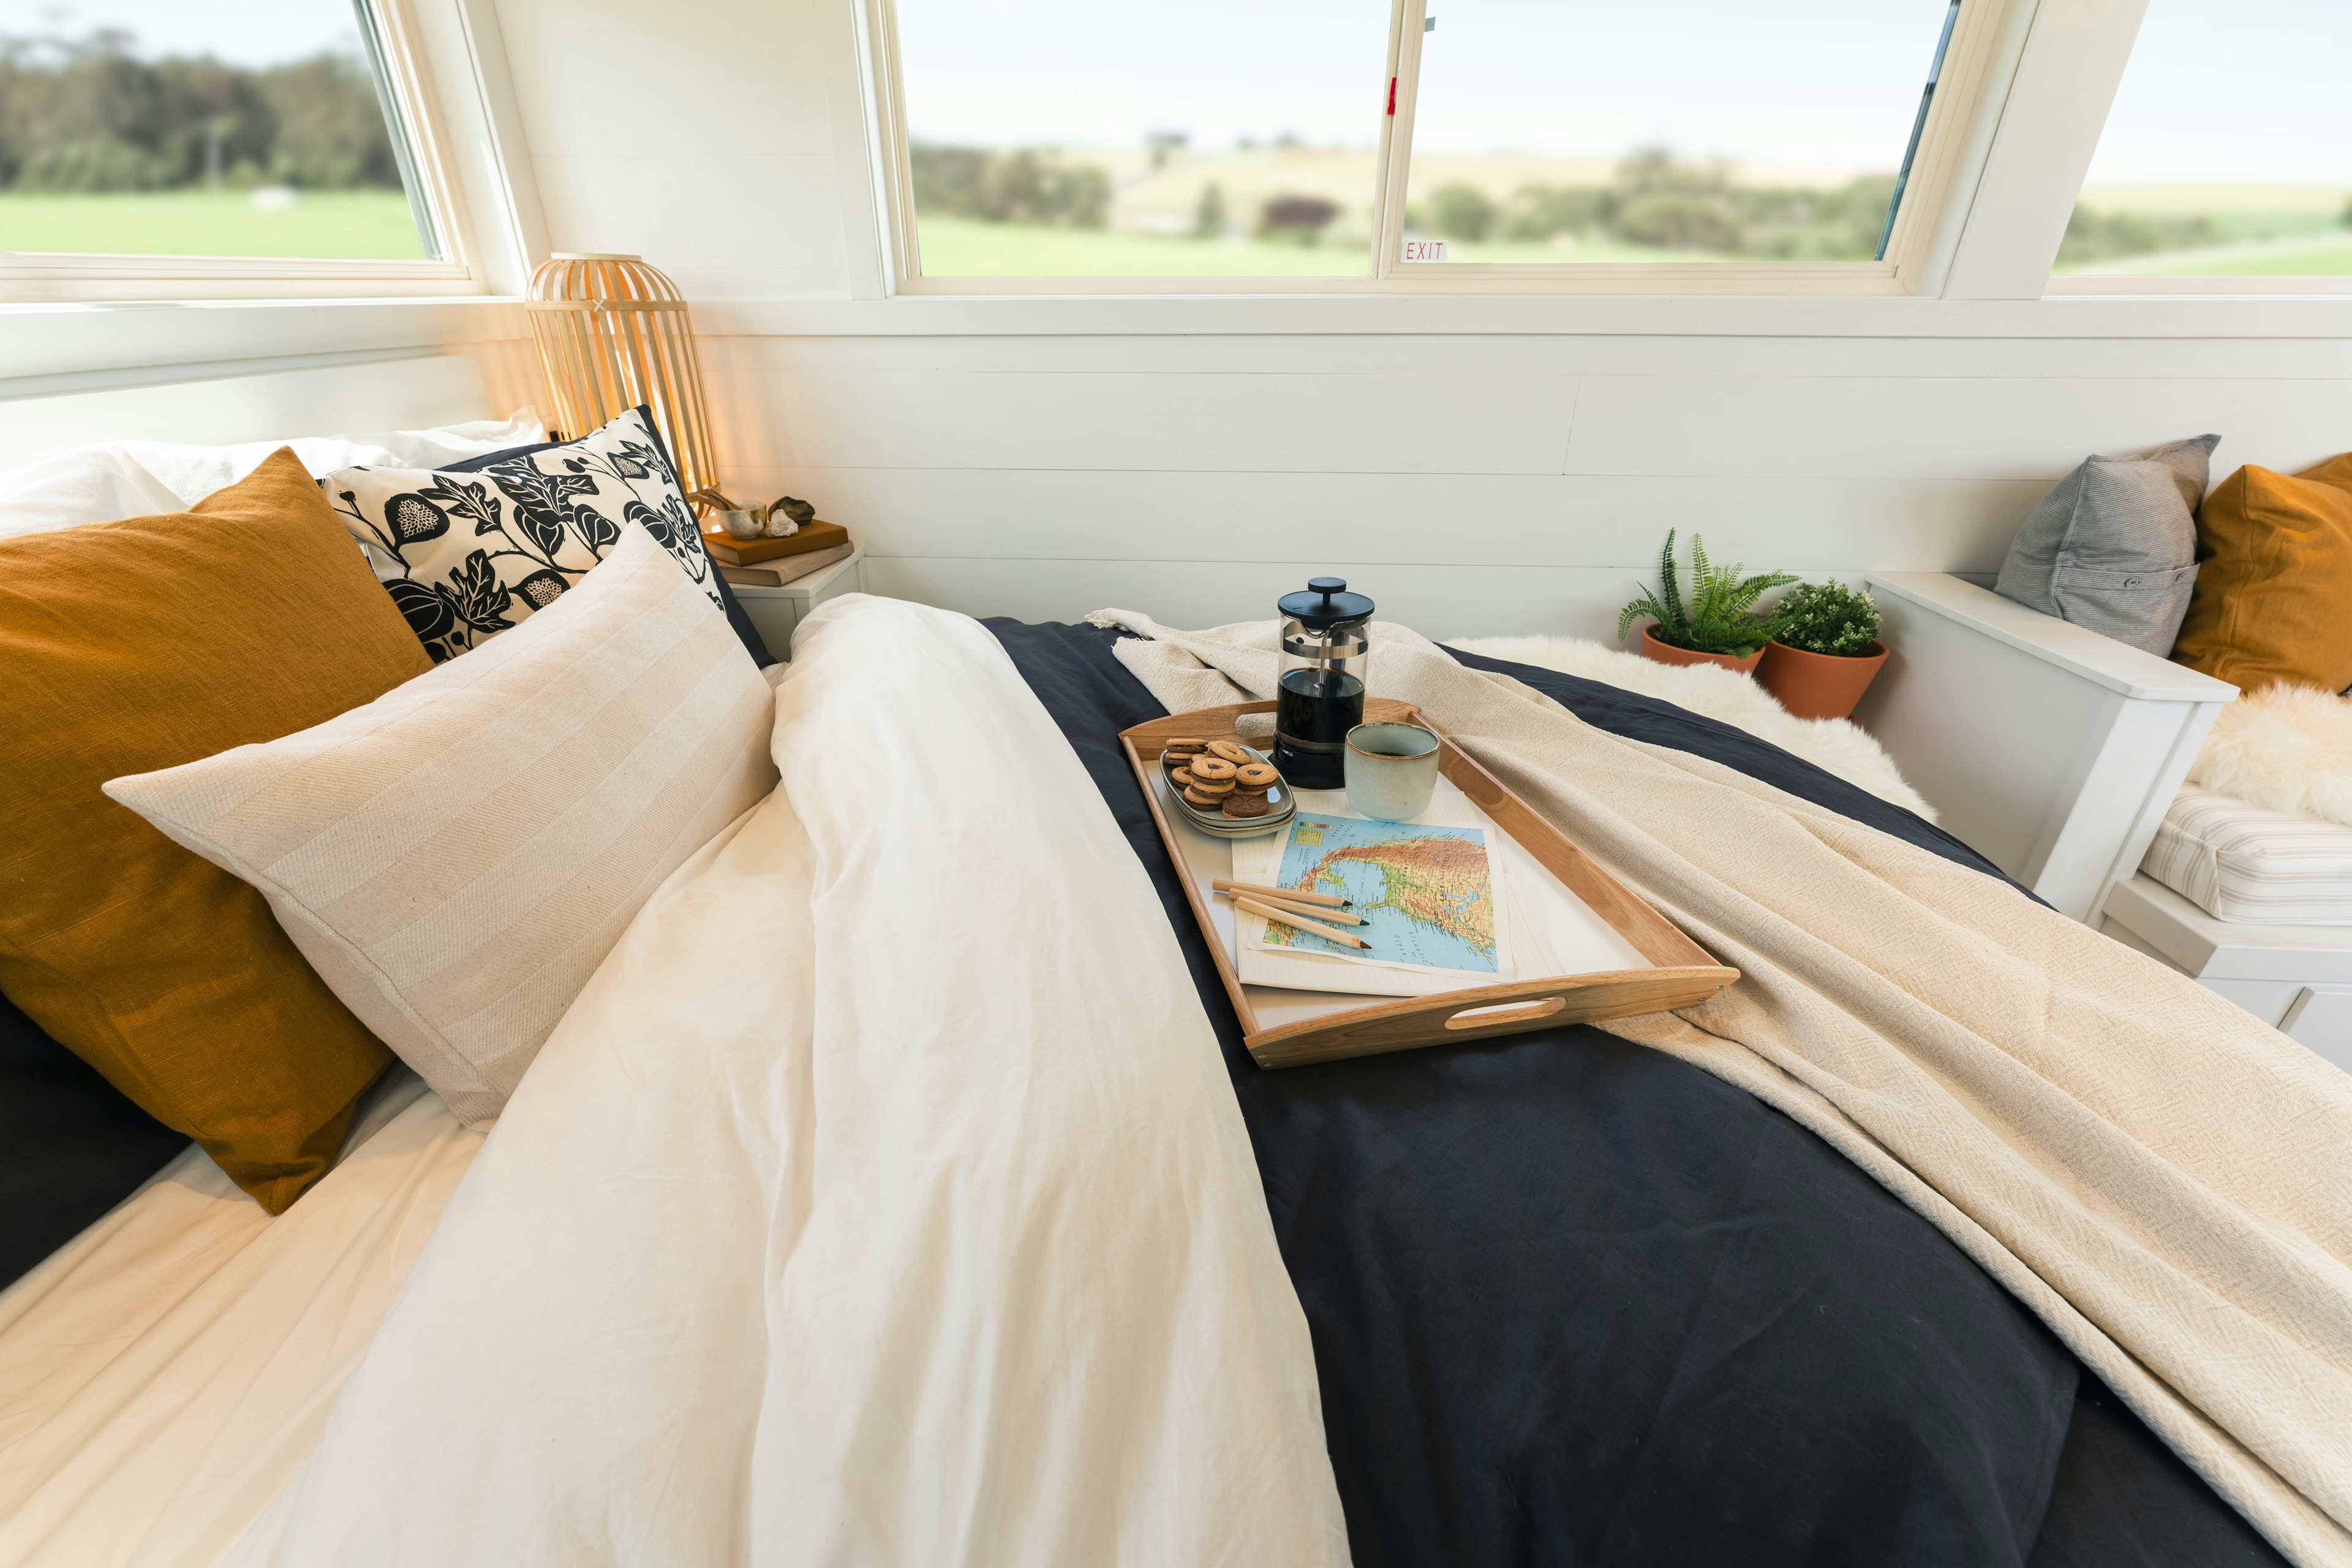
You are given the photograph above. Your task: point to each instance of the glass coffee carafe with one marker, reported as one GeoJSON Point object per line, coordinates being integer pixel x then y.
{"type": "Point", "coordinates": [1319, 694]}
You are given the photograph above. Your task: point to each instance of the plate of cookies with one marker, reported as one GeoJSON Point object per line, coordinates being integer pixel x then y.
{"type": "Point", "coordinates": [1226, 788]}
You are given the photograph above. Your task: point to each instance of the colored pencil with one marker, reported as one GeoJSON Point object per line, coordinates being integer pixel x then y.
{"type": "Point", "coordinates": [1329, 934]}
{"type": "Point", "coordinates": [1296, 895]}
{"type": "Point", "coordinates": [1312, 910]}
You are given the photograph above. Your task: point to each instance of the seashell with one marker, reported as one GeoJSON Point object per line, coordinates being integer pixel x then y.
{"type": "Point", "coordinates": [739, 524]}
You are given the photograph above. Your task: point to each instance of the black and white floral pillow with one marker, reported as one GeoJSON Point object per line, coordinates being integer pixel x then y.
{"type": "Point", "coordinates": [469, 555]}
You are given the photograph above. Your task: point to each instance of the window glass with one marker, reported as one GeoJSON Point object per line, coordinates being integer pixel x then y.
{"type": "Point", "coordinates": [262, 128]}
{"type": "Point", "coordinates": [2228, 149]}
{"type": "Point", "coordinates": [1564, 130]}
{"type": "Point", "coordinates": [1096, 138]}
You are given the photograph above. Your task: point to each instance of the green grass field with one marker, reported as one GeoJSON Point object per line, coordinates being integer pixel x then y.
{"type": "Point", "coordinates": [960, 248]}
{"type": "Point", "coordinates": [964, 248]}
{"type": "Point", "coordinates": [2323, 254]}
{"type": "Point", "coordinates": [372, 225]}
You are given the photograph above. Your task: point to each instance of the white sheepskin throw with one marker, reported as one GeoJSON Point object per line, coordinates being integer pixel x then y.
{"type": "Point", "coordinates": [2283, 748]}
{"type": "Point", "coordinates": [1834, 745]}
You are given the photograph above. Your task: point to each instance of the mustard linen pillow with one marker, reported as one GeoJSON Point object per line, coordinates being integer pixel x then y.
{"type": "Point", "coordinates": [2273, 598]}
{"type": "Point", "coordinates": [143, 644]}
{"type": "Point", "coordinates": [458, 857]}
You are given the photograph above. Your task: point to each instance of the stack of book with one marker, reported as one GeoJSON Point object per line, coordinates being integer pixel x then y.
{"type": "Point", "coordinates": [773, 562]}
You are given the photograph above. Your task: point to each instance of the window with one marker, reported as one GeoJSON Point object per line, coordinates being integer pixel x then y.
{"type": "Point", "coordinates": [273, 131]}
{"type": "Point", "coordinates": [1106, 137]}
{"type": "Point", "coordinates": [1346, 139]}
{"type": "Point", "coordinates": [1581, 130]}
{"type": "Point", "coordinates": [2228, 150]}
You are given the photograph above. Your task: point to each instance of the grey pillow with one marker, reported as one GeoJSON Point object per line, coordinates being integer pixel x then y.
{"type": "Point", "coordinates": [2114, 547]}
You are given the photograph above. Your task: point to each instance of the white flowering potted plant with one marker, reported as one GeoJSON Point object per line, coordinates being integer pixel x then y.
{"type": "Point", "coordinates": [1824, 650]}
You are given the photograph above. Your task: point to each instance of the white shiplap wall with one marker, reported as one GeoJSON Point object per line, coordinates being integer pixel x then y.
{"type": "Point", "coordinates": [1473, 483]}
{"type": "Point", "coordinates": [1492, 479]}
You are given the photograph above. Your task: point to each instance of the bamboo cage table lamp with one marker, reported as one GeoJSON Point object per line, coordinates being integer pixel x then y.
{"type": "Point", "coordinates": [613, 332]}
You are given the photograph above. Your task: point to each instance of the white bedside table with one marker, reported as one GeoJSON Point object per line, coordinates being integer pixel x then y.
{"type": "Point", "coordinates": [778, 612]}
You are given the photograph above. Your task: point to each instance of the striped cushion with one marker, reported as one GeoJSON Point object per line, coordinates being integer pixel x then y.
{"type": "Point", "coordinates": [2241, 862]}
{"type": "Point", "coordinates": [456, 857]}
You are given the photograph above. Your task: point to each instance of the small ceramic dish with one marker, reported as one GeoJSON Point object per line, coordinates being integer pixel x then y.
{"type": "Point", "coordinates": [1281, 805]}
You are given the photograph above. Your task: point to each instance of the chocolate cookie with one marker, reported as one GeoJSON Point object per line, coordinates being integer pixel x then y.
{"type": "Point", "coordinates": [1240, 805]}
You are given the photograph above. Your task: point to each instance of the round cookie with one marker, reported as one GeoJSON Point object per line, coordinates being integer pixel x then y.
{"type": "Point", "coordinates": [1181, 778]}
{"type": "Point", "coordinates": [1219, 788]}
{"type": "Point", "coordinates": [1230, 752]}
{"type": "Point", "coordinates": [1187, 743]}
{"type": "Point", "coordinates": [1205, 801]}
{"type": "Point", "coordinates": [1245, 805]}
{"type": "Point", "coordinates": [1255, 776]}
{"type": "Point", "coordinates": [1213, 769]}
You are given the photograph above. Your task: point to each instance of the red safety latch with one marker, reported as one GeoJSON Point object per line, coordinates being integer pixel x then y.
{"type": "Point", "coordinates": [1392, 95]}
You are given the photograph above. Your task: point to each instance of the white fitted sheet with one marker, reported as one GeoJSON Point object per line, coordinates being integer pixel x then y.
{"type": "Point", "coordinates": [2246, 863]}
{"type": "Point", "coordinates": [164, 1373]}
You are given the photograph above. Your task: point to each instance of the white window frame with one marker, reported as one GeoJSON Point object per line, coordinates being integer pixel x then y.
{"type": "Point", "coordinates": [1918, 244]}
{"type": "Point", "coordinates": [46, 277]}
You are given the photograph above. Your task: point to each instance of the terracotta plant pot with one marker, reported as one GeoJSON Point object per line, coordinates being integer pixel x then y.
{"type": "Point", "coordinates": [1667, 653]}
{"type": "Point", "coordinates": [1819, 685]}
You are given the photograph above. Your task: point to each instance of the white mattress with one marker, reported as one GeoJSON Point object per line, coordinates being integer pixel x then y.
{"type": "Point", "coordinates": [2241, 862]}
{"type": "Point", "coordinates": [165, 1373]}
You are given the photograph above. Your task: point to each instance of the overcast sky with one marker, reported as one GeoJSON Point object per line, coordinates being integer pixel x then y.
{"type": "Point", "coordinates": [2218, 88]}
{"type": "Point", "coordinates": [247, 32]}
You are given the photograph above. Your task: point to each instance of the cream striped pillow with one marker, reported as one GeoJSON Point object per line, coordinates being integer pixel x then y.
{"type": "Point", "coordinates": [456, 857]}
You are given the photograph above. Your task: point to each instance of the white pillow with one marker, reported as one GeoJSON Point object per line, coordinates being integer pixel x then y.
{"type": "Point", "coordinates": [456, 857]}
{"type": "Point", "coordinates": [140, 478]}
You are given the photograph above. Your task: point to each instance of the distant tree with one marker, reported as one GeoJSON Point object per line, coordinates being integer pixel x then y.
{"type": "Point", "coordinates": [1461, 212]}
{"type": "Point", "coordinates": [1209, 217]}
{"type": "Point", "coordinates": [330, 125]}
{"type": "Point", "coordinates": [1299, 218]}
{"type": "Point", "coordinates": [1023, 187]}
{"type": "Point", "coordinates": [1163, 142]}
{"type": "Point", "coordinates": [2094, 235]}
{"type": "Point", "coordinates": [1542, 212]}
{"type": "Point", "coordinates": [86, 115]}
{"type": "Point", "coordinates": [1680, 220]}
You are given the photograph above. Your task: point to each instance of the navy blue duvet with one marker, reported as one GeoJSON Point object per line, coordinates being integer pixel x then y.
{"type": "Point", "coordinates": [1576, 1303]}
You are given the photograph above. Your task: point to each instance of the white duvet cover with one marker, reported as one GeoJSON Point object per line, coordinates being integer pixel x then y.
{"type": "Point", "coordinates": [881, 1200]}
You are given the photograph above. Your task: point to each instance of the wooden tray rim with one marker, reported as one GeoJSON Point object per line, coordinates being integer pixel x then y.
{"type": "Point", "coordinates": [1692, 976]}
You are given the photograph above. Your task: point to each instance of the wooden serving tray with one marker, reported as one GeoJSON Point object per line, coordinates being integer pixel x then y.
{"type": "Point", "coordinates": [1683, 974]}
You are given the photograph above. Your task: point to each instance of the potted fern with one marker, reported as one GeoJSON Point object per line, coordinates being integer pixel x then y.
{"type": "Point", "coordinates": [1824, 651]}
{"type": "Point", "coordinates": [1717, 623]}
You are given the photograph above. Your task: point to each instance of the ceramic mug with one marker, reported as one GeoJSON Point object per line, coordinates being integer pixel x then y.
{"type": "Point", "coordinates": [1391, 770]}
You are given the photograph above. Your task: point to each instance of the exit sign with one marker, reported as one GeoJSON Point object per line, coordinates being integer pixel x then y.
{"type": "Point", "coordinates": [1424, 250]}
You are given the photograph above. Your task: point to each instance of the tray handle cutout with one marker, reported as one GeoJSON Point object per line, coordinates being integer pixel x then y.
{"type": "Point", "coordinates": [1507, 1013]}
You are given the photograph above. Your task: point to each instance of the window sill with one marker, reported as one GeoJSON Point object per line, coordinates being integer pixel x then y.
{"type": "Point", "coordinates": [1327, 311]}
{"type": "Point", "coordinates": [33, 278]}
{"type": "Point", "coordinates": [59, 343]}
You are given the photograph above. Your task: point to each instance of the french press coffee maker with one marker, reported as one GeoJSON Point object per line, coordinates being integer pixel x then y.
{"type": "Point", "coordinates": [1319, 693]}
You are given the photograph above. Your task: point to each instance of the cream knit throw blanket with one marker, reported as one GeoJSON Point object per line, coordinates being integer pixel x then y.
{"type": "Point", "coordinates": [2165, 1181]}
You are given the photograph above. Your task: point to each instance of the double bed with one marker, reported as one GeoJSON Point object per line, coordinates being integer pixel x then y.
{"type": "Point", "coordinates": [898, 1190]}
